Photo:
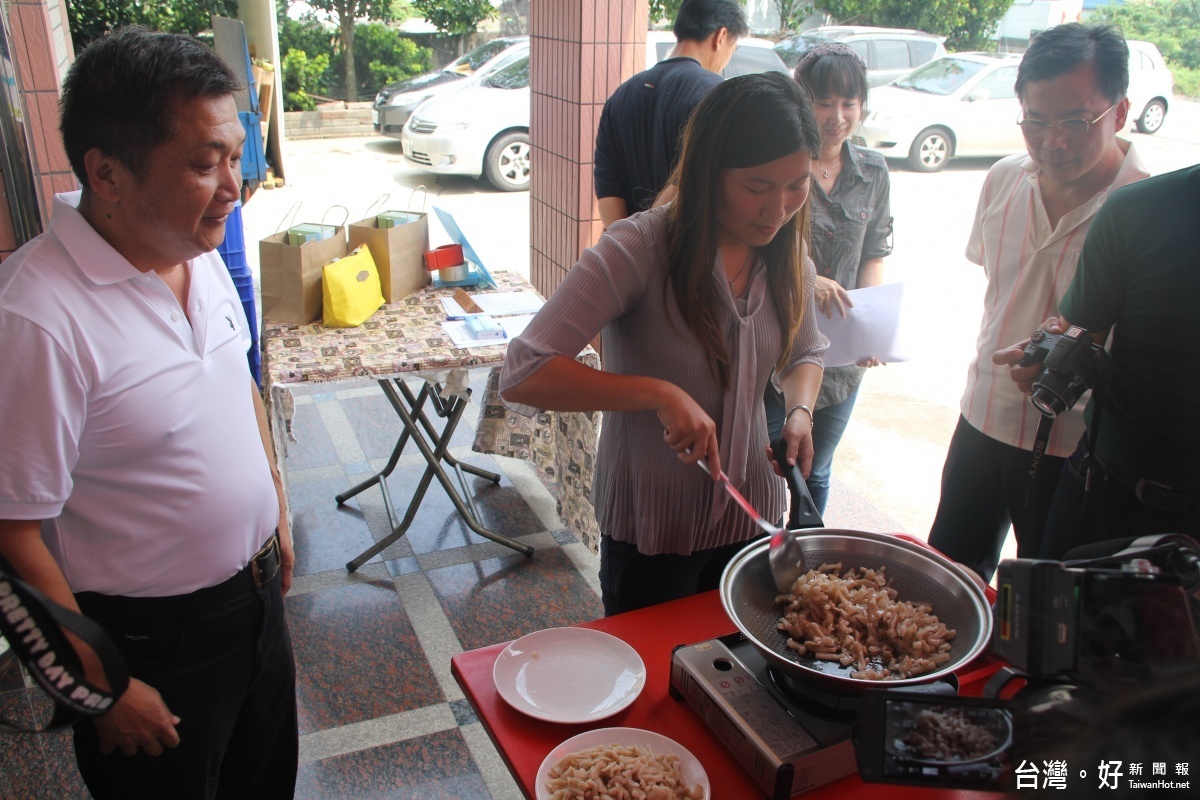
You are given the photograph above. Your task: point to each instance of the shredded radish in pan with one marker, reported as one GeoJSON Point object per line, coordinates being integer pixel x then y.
{"type": "Point", "coordinates": [619, 772]}
{"type": "Point", "coordinates": [856, 619]}
{"type": "Point", "coordinates": [946, 734]}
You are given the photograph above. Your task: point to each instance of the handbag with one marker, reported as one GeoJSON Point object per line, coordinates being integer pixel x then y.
{"type": "Point", "coordinates": [350, 290]}
{"type": "Point", "coordinates": [291, 274]}
{"type": "Point", "coordinates": [397, 241]}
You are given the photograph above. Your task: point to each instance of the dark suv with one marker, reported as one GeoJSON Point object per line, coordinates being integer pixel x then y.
{"type": "Point", "coordinates": [396, 102]}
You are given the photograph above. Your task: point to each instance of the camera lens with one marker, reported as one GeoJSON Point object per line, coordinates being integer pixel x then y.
{"type": "Point", "coordinates": [1048, 402]}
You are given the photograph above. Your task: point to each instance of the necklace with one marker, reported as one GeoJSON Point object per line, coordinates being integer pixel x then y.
{"type": "Point", "coordinates": [745, 264]}
{"type": "Point", "coordinates": [825, 172]}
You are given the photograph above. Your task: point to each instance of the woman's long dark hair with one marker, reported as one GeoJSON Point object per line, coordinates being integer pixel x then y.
{"type": "Point", "coordinates": [743, 122]}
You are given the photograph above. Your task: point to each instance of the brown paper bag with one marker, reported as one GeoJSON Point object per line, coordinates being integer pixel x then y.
{"type": "Point", "coordinates": [291, 276]}
{"type": "Point", "coordinates": [398, 252]}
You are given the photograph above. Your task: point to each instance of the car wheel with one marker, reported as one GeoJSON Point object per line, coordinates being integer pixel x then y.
{"type": "Point", "coordinates": [1152, 118]}
{"type": "Point", "coordinates": [506, 165]}
{"type": "Point", "coordinates": [930, 150]}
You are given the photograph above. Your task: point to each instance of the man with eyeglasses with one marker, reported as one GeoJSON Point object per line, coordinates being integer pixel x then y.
{"type": "Point", "coordinates": [1033, 214]}
{"type": "Point", "coordinates": [1135, 471]}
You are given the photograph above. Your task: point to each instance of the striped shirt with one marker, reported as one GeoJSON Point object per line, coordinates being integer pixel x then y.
{"type": "Point", "coordinates": [1029, 267]}
{"type": "Point", "coordinates": [643, 494]}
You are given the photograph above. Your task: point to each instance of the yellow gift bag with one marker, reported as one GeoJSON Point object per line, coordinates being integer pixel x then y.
{"type": "Point", "coordinates": [350, 289]}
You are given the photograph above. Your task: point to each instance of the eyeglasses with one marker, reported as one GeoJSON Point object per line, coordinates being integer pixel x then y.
{"type": "Point", "coordinates": [1070, 127]}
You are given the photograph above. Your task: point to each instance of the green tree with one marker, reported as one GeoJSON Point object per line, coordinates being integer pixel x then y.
{"type": "Point", "coordinates": [791, 14]}
{"type": "Point", "coordinates": [91, 19]}
{"type": "Point", "coordinates": [345, 13]}
{"type": "Point", "coordinates": [1172, 25]}
{"type": "Point", "coordinates": [459, 18]}
{"type": "Point", "coordinates": [383, 55]}
{"type": "Point", "coordinates": [966, 24]}
{"type": "Point", "coordinates": [664, 10]}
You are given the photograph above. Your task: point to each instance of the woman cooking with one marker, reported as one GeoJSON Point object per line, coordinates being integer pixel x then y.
{"type": "Point", "coordinates": [851, 231]}
{"type": "Point", "coordinates": [697, 302]}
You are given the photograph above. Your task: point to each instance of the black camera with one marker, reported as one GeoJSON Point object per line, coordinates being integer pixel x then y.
{"type": "Point", "coordinates": [1120, 616]}
{"type": "Point", "coordinates": [1118, 619]}
{"type": "Point", "coordinates": [1071, 364]}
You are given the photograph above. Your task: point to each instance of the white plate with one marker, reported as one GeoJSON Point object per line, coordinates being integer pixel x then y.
{"type": "Point", "coordinates": [689, 765]}
{"type": "Point", "coordinates": [569, 675]}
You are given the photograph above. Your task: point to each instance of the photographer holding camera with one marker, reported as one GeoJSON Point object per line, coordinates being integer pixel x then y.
{"type": "Point", "coordinates": [1034, 210]}
{"type": "Point", "coordinates": [1135, 472]}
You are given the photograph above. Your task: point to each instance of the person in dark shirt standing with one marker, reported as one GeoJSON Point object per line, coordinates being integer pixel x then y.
{"type": "Point", "coordinates": [638, 140]}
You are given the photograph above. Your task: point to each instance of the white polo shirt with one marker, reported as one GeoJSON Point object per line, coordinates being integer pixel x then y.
{"type": "Point", "coordinates": [1029, 267]}
{"type": "Point", "coordinates": [127, 429]}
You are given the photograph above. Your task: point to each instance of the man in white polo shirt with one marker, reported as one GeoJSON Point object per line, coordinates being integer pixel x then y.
{"type": "Point", "coordinates": [136, 478]}
{"type": "Point", "coordinates": [1034, 211]}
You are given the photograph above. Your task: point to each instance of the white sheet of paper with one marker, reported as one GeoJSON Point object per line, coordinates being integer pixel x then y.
{"type": "Point", "coordinates": [513, 326]}
{"type": "Point", "coordinates": [496, 304]}
{"type": "Point", "coordinates": [871, 328]}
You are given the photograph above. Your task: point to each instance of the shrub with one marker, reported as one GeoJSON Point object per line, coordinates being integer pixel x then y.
{"type": "Point", "coordinates": [1187, 81]}
{"type": "Point", "coordinates": [302, 75]}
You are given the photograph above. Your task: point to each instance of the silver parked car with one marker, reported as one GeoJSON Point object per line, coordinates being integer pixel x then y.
{"type": "Point", "coordinates": [887, 52]}
{"type": "Point", "coordinates": [395, 103]}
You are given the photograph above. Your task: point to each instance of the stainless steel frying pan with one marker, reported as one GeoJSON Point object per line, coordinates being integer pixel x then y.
{"type": "Point", "coordinates": [916, 573]}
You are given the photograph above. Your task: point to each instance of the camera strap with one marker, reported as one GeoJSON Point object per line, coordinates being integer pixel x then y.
{"type": "Point", "coordinates": [1041, 440]}
{"type": "Point", "coordinates": [1092, 434]}
{"type": "Point", "coordinates": [33, 625]}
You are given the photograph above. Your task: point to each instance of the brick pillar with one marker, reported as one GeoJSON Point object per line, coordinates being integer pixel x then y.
{"type": "Point", "coordinates": [43, 53]}
{"type": "Point", "coordinates": [581, 51]}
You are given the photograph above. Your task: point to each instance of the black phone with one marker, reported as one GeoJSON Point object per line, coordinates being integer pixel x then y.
{"type": "Point", "coordinates": [935, 740]}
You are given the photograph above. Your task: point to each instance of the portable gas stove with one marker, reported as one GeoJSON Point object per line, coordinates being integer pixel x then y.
{"type": "Point", "coordinates": [790, 737]}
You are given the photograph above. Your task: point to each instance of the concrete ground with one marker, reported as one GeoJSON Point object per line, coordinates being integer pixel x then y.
{"type": "Point", "coordinates": [888, 466]}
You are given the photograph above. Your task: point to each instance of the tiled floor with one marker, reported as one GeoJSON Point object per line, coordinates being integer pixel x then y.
{"type": "Point", "coordinates": [380, 714]}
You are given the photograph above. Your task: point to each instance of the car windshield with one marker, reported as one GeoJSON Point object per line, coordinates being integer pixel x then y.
{"type": "Point", "coordinates": [790, 50]}
{"type": "Point", "coordinates": [514, 76]}
{"type": "Point", "coordinates": [941, 76]}
{"type": "Point", "coordinates": [466, 65]}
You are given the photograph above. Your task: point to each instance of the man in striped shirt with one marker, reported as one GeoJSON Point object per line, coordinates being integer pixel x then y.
{"type": "Point", "coordinates": [1034, 211]}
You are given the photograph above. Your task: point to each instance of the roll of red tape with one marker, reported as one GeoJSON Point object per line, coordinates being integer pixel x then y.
{"type": "Point", "coordinates": [448, 255]}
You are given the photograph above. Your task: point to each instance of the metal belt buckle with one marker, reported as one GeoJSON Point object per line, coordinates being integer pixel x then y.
{"type": "Point", "coordinates": [265, 564]}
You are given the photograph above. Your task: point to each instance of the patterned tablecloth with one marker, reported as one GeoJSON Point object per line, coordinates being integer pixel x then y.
{"type": "Point", "coordinates": [406, 338]}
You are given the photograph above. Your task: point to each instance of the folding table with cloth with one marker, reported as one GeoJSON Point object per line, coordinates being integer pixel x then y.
{"type": "Point", "coordinates": [405, 341]}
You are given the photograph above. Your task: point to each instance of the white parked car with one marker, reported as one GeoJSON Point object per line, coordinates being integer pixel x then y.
{"type": "Point", "coordinates": [752, 54]}
{"type": "Point", "coordinates": [482, 129]}
{"type": "Point", "coordinates": [887, 52]}
{"type": "Point", "coordinates": [1151, 87]}
{"type": "Point", "coordinates": [964, 104]}
{"type": "Point", "coordinates": [958, 105]}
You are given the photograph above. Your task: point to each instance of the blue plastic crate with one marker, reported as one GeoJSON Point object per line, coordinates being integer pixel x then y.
{"type": "Point", "coordinates": [233, 253]}
{"type": "Point", "coordinates": [254, 161]}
